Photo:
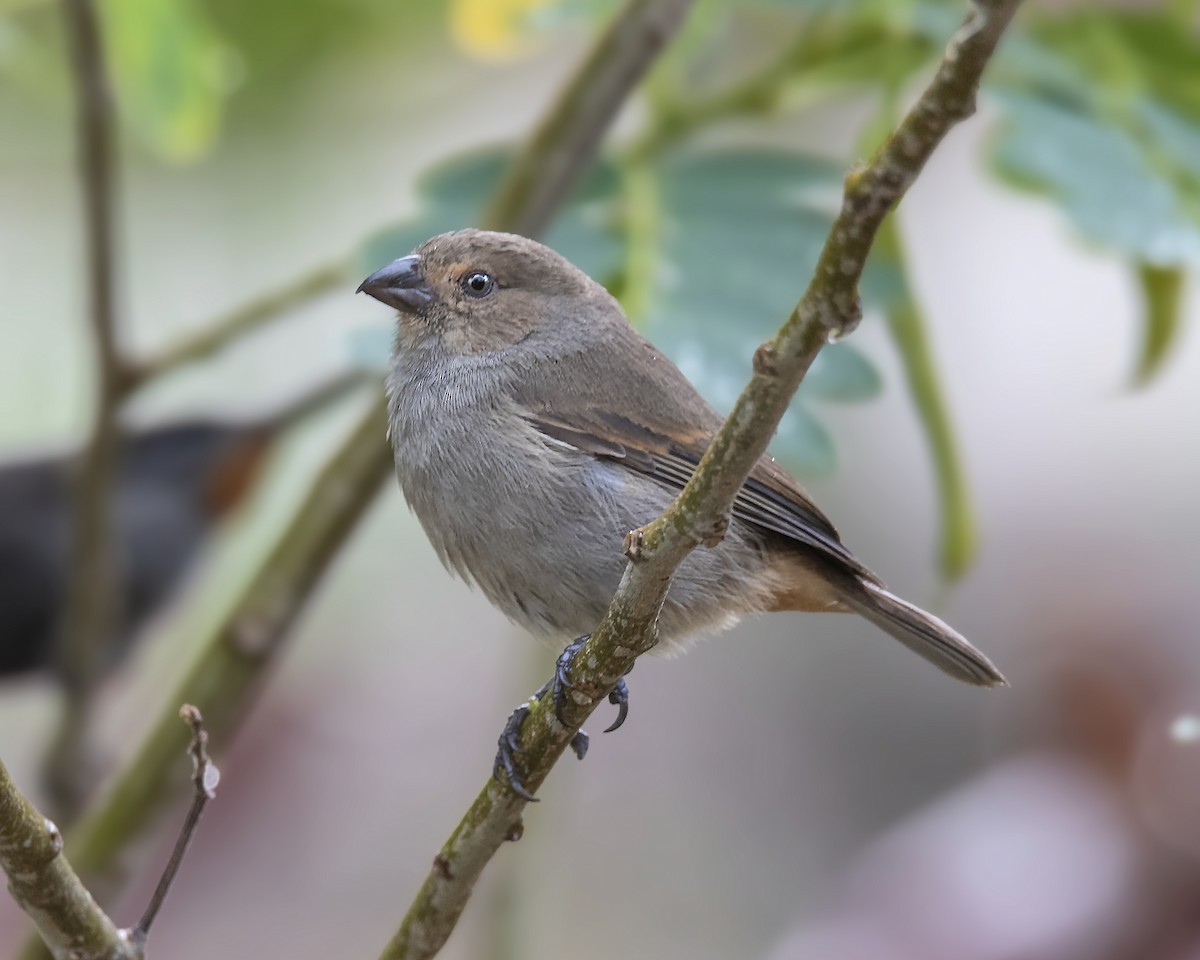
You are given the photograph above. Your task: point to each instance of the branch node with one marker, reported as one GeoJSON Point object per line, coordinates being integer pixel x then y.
{"type": "Point", "coordinates": [712, 534]}
{"type": "Point", "coordinates": [441, 864]}
{"type": "Point", "coordinates": [515, 832]}
{"type": "Point", "coordinates": [766, 360]}
{"type": "Point", "coordinates": [56, 839]}
{"type": "Point", "coordinates": [633, 546]}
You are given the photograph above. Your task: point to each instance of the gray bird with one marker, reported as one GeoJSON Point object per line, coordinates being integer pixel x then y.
{"type": "Point", "coordinates": [533, 427]}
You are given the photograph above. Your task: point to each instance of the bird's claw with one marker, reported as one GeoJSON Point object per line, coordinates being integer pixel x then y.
{"type": "Point", "coordinates": [618, 697]}
{"type": "Point", "coordinates": [509, 745]}
{"type": "Point", "coordinates": [562, 677]}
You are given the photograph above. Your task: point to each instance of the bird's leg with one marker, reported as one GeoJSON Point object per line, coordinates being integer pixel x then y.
{"type": "Point", "coordinates": [509, 745]}
{"type": "Point", "coordinates": [618, 697]}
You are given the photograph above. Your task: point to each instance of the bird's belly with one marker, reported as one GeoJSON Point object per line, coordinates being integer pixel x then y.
{"type": "Point", "coordinates": [549, 554]}
{"type": "Point", "coordinates": [544, 541]}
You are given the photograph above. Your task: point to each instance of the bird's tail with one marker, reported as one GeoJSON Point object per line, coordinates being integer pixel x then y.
{"type": "Point", "coordinates": [921, 632]}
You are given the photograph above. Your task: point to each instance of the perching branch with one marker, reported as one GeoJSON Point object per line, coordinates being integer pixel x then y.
{"type": "Point", "coordinates": [89, 607]}
{"type": "Point", "coordinates": [230, 668]}
{"type": "Point", "coordinates": [70, 923]}
{"type": "Point", "coordinates": [828, 310]}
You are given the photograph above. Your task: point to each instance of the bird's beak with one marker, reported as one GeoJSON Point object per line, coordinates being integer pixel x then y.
{"type": "Point", "coordinates": [401, 284]}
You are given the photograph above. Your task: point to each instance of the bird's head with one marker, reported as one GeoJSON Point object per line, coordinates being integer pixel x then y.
{"type": "Point", "coordinates": [479, 291]}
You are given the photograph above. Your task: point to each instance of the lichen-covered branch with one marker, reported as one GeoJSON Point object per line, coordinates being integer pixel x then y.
{"type": "Point", "coordinates": [70, 924]}
{"type": "Point", "coordinates": [828, 310]}
{"type": "Point", "coordinates": [45, 887]}
{"type": "Point", "coordinates": [234, 659]}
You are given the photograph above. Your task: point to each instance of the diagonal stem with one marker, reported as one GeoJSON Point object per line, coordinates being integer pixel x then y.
{"type": "Point", "coordinates": [829, 309]}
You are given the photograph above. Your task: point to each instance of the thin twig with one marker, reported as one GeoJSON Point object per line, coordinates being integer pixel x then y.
{"type": "Point", "coordinates": [89, 609]}
{"type": "Point", "coordinates": [240, 321]}
{"type": "Point", "coordinates": [563, 144]}
{"type": "Point", "coordinates": [229, 670]}
{"type": "Point", "coordinates": [205, 777]}
{"type": "Point", "coordinates": [43, 884]}
{"type": "Point", "coordinates": [69, 922]}
{"type": "Point", "coordinates": [828, 310]}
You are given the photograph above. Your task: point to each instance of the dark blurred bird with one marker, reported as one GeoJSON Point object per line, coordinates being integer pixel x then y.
{"type": "Point", "coordinates": [174, 485]}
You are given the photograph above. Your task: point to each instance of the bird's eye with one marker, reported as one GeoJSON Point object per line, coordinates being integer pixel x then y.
{"type": "Point", "coordinates": [478, 285]}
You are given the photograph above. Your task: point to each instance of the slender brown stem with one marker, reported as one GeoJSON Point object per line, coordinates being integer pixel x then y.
{"type": "Point", "coordinates": [828, 310]}
{"type": "Point", "coordinates": [89, 609]}
{"type": "Point", "coordinates": [204, 778]}
{"type": "Point", "coordinates": [564, 143]}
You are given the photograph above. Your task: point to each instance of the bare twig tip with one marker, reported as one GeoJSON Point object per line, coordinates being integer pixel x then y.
{"type": "Point", "coordinates": [205, 774]}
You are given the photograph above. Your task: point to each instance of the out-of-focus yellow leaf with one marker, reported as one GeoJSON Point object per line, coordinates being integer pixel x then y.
{"type": "Point", "coordinates": [172, 73]}
{"type": "Point", "coordinates": [1162, 296]}
{"type": "Point", "coordinates": [494, 29]}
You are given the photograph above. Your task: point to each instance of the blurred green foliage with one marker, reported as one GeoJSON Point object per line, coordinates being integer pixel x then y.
{"type": "Point", "coordinates": [735, 234]}
{"type": "Point", "coordinates": [172, 71]}
{"type": "Point", "coordinates": [1098, 112]}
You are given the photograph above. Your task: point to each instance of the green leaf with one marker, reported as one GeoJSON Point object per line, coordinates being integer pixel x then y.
{"type": "Point", "coordinates": [1162, 297]}
{"type": "Point", "coordinates": [172, 73]}
{"type": "Point", "coordinates": [1102, 113]}
{"type": "Point", "coordinates": [804, 443]}
{"type": "Point", "coordinates": [1102, 175]}
{"type": "Point", "coordinates": [724, 243]}
{"type": "Point", "coordinates": [840, 373]}
{"type": "Point", "coordinates": [1128, 54]}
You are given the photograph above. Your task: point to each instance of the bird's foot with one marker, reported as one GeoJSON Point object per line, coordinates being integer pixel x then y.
{"type": "Point", "coordinates": [561, 686]}
{"type": "Point", "coordinates": [509, 745]}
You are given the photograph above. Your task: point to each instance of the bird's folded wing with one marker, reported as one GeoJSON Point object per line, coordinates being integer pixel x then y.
{"type": "Point", "coordinates": [770, 499]}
